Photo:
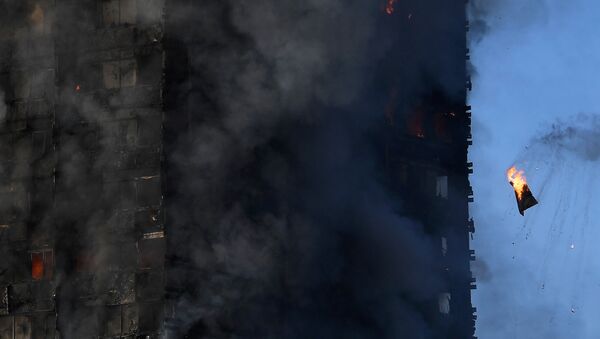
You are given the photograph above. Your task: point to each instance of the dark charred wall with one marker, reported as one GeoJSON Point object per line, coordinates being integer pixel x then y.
{"type": "Point", "coordinates": [27, 162]}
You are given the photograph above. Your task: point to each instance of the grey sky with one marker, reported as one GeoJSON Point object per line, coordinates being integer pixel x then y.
{"type": "Point", "coordinates": [538, 275]}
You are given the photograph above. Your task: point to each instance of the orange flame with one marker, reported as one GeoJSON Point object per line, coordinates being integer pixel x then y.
{"type": "Point", "coordinates": [389, 7]}
{"type": "Point", "coordinates": [517, 179]}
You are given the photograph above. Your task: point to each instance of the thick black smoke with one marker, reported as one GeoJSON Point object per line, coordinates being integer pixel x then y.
{"type": "Point", "coordinates": [280, 216]}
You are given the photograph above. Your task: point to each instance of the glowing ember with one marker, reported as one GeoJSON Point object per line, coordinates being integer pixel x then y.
{"type": "Point", "coordinates": [517, 180]}
{"type": "Point", "coordinates": [389, 7]}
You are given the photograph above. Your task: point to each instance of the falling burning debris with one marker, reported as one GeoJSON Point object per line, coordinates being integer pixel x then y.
{"type": "Point", "coordinates": [517, 180]}
{"type": "Point", "coordinates": [389, 7]}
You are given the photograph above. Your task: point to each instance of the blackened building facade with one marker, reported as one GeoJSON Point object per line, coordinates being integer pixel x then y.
{"type": "Point", "coordinates": [100, 98]}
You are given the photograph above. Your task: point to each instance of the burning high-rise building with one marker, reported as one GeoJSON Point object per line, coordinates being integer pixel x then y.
{"type": "Point", "coordinates": [234, 169]}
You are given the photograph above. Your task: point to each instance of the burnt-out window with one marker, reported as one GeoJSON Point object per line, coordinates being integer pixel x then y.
{"type": "Point", "coordinates": [119, 73]}
{"type": "Point", "coordinates": [22, 327]}
{"type": "Point", "coordinates": [17, 116]}
{"type": "Point", "coordinates": [85, 262]}
{"type": "Point", "coordinates": [444, 246]}
{"type": "Point", "coordinates": [4, 237]}
{"type": "Point", "coordinates": [112, 321]}
{"type": "Point", "coordinates": [150, 69]}
{"type": "Point", "coordinates": [7, 266]}
{"type": "Point", "coordinates": [17, 202]}
{"type": "Point", "coordinates": [151, 253]}
{"type": "Point", "coordinates": [444, 302]}
{"type": "Point", "coordinates": [20, 266]}
{"type": "Point", "coordinates": [3, 302]}
{"type": "Point", "coordinates": [35, 84]}
{"type": "Point", "coordinates": [127, 193]}
{"type": "Point", "coordinates": [403, 174]}
{"type": "Point", "coordinates": [129, 314]}
{"type": "Point", "coordinates": [149, 132]}
{"type": "Point", "coordinates": [39, 143]}
{"type": "Point", "coordinates": [44, 325]}
{"type": "Point", "coordinates": [149, 285]}
{"type": "Point", "coordinates": [119, 12]}
{"type": "Point", "coordinates": [121, 133]}
{"type": "Point", "coordinates": [42, 264]}
{"type": "Point", "coordinates": [148, 220]}
{"type": "Point", "coordinates": [150, 317]}
{"type": "Point", "coordinates": [6, 327]}
{"type": "Point", "coordinates": [149, 191]}
{"type": "Point", "coordinates": [42, 83]}
{"type": "Point", "coordinates": [150, 11]}
{"type": "Point", "coordinates": [121, 193]}
{"type": "Point", "coordinates": [441, 187]}
{"type": "Point", "coordinates": [21, 84]}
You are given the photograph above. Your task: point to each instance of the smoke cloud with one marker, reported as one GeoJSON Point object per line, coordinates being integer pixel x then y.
{"type": "Point", "coordinates": [294, 231]}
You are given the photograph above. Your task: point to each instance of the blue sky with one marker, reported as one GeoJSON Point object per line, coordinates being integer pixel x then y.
{"type": "Point", "coordinates": [538, 275]}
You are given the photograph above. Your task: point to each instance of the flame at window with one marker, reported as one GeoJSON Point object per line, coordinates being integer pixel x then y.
{"type": "Point", "coordinates": [389, 7]}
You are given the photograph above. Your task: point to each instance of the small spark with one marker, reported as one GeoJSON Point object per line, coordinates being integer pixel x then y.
{"type": "Point", "coordinates": [572, 246]}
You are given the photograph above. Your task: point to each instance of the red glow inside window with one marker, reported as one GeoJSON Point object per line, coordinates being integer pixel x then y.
{"type": "Point", "coordinates": [415, 124]}
{"type": "Point", "coordinates": [37, 266]}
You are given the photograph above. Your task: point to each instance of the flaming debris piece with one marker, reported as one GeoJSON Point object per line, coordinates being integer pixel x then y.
{"type": "Point", "coordinates": [517, 180]}
{"type": "Point", "coordinates": [389, 7]}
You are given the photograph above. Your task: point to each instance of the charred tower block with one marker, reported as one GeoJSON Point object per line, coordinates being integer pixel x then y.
{"type": "Point", "coordinates": [426, 155]}
{"type": "Point", "coordinates": [159, 179]}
